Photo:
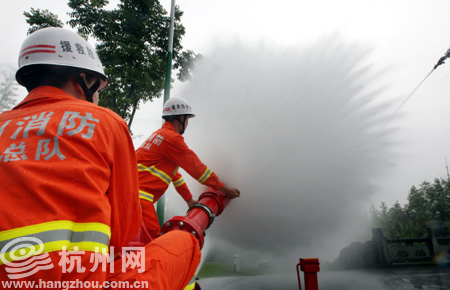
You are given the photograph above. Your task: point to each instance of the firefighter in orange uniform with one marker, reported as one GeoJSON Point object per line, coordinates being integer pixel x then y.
{"type": "Point", "coordinates": [69, 186]}
{"type": "Point", "coordinates": [160, 157]}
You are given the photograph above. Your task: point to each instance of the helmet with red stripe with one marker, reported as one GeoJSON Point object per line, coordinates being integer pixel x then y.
{"type": "Point", "coordinates": [59, 47]}
{"type": "Point", "coordinates": [177, 106]}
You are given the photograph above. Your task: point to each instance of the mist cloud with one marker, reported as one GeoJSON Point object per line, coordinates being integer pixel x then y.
{"type": "Point", "coordinates": [299, 131]}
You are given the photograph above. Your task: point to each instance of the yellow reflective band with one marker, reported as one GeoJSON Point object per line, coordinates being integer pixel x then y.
{"type": "Point", "coordinates": [146, 195]}
{"type": "Point", "coordinates": [178, 182]}
{"type": "Point", "coordinates": [156, 172]}
{"type": "Point", "coordinates": [205, 175]}
{"type": "Point", "coordinates": [53, 236]}
{"type": "Point", "coordinates": [191, 284]}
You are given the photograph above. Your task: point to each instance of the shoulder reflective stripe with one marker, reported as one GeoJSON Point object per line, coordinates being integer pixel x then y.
{"type": "Point", "coordinates": [153, 170]}
{"type": "Point", "coordinates": [178, 182]}
{"type": "Point", "coordinates": [205, 175]}
{"type": "Point", "coordinates": [53, 235]}
{"type": "Point", "coordinates": [145, 195]}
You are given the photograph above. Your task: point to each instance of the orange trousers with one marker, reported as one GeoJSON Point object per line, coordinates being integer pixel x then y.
{"type": "Point", "coordinates": [171, 261]}
{"type": "Point", "coordinates": [150, 218]}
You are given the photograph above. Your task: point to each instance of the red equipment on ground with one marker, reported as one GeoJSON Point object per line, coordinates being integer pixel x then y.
{"type": "Point", "coordinates": [310, 267]}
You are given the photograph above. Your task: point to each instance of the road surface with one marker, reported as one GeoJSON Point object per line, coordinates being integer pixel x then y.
{"type": "Point", "coordinates": [424, 278]}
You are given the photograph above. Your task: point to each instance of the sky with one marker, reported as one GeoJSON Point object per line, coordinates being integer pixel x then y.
{"type": "Point", "coordinates": [396, 42]}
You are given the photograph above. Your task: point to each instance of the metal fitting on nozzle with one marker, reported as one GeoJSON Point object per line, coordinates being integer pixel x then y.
{"type": "Point", "coordinates": [200, 216]}
{"type": "Point", "coordinates": [206, 209]}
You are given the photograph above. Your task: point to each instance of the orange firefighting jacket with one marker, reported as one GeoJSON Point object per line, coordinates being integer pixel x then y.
{"type": "Point", "coordinates": [159, 158]}
{"type": "Point", "coordinates": [68, 175]}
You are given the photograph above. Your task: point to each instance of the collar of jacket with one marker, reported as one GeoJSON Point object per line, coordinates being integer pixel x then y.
{"type": "Point", "coordinates": [46, 94]}
{"type": "Point", "coordinates": [168, 125]}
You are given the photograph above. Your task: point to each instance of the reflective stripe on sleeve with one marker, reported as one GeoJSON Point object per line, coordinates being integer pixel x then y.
{"type": "Point", "coordinates": [191, 284]}
{"type": "Point", "coordinates": [146, 195]}
{"type": "Point", "coordinates": [205, 175]}
{"type": "Point", "coordinates": [156, 172]}
{"type": "Point", "coordinates": [53, 236]}
{"type": "Point", "coordinates": [178, 182]}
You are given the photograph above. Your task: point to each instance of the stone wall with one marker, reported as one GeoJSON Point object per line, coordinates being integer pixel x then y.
{"type": "Point", "coordinates": [383, 252]}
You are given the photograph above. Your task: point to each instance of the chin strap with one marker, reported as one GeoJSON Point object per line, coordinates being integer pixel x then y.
{"type": "Point", "coordinates": [89, 92]}
{"type": "Point", "coordinates": [183, 123]}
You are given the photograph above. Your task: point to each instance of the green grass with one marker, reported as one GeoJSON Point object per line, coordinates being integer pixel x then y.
{"type": "Point", "coordinates": [222, 270]}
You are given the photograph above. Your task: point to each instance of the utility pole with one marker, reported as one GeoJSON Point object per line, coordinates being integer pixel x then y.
{"type": "Point", "coordinates": [446, 166]}
{"type": "Point", "coordinates": [161, 203]}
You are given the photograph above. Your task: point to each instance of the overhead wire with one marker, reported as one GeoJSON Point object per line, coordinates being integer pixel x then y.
{"type": "Point", "coordinates": [440, 62]}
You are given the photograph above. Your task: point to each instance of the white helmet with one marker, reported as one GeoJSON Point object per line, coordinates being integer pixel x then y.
{"type": "Point", "coordinates": [177, 106]}
{"type": "Point", "coordinates": [60, 47]}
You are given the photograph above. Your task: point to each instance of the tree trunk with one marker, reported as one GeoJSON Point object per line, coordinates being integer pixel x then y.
{"type": "Point", "coordinates": [132, 114]}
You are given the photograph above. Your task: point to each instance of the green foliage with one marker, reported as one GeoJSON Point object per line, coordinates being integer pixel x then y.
{"type": "Point", "coordinates": [186, 63]}
{"type": "Point", "coordinates": [38, 19]}
{"type": "Point", "coordinates": [428, 207]}
{"type": "Point", "coordinates": [132, 43]}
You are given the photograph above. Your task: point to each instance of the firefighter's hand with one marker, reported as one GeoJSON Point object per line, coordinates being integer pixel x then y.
{"type": "Point", "coordinates": [230, 192]}
{"type": "Point", "coordinates": [191, 202]}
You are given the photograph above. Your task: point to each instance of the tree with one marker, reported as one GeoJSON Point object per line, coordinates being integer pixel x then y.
{"type": "Point", "coordinates": [439, 200]}
{"type": "Point", "coordinates": [186, 63]}
{"type": "Point", "coordinates": [428, 206]}
{"type": "Point", "coordinates": [396, 221]}
{"type": "Point", "coordinates": [8, 88]}
{"type": "Point", "coordinates": [417, 211]}
{"type": "Point", "coordinates": [38, 19]}
{"type": "Point", "coordinates": [132, 43]}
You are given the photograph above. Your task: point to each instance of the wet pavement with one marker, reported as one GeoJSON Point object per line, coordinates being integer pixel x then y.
{"type": "Point", "coordinates": [424, 278]}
